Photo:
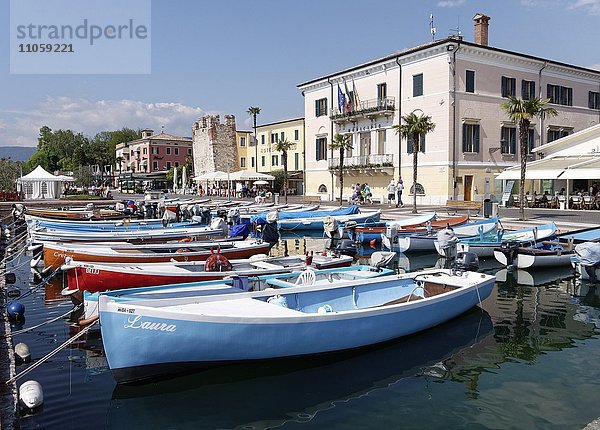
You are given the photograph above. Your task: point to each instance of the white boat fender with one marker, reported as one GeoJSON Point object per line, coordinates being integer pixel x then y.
{"type": "Point", "coordinates": [35, 261]}
{"type": "Point", "coordinates": [31, 394]}
{"type": "Point", "coordinates": [35, 247]}
{"type": "Point", "coordinates": [22, 352]}
{"type": "Point", "coordinates": [278, 300]}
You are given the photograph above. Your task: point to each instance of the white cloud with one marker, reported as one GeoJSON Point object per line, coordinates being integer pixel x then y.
{"type": "Point", "coordinates": [91, 116]}
{"type": "Point", "coordinates": [451, 3]}
{"type": "Point", "coordinates": [592, 7]}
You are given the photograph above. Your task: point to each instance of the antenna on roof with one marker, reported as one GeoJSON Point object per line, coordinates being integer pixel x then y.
{"type": "Point", "coordinates": [456, 31]}
{"type": "Point", "coordinates": [162, 128]}
{"type": "Point", "coordinates": [431, 28]}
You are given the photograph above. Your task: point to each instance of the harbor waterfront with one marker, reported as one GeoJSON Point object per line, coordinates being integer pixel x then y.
{"type": "Point", "coordinates": [503, 365]}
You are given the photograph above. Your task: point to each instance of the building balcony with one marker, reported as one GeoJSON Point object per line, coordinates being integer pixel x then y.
{"type": "Point", "coordinates": [365, 109]}
{"type": "Point", "coordinates": [365, 164]}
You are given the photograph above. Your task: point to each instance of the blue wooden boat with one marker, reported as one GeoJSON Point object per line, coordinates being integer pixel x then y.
{"type": "Point", "coordinates": [484, 247]}
{"type": "Point", "coordinates": [308, 314]}
{"type": "Point", "coordinates": [425, 242]}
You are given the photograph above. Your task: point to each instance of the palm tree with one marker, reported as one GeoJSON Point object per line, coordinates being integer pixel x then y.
{"type": "Point", "coordinates": [414, 126]}
{"type": "Point", "coordinates": [283, 146]}
{"type": "Point", "coordinates": [254, 111]}
{"type": "Point", "coordinates": [522, 112]}
{"type": "Point", "coordinates": [341, 142]}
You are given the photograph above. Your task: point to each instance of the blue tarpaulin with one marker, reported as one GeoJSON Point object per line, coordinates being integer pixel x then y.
{"type": "Point", "coordinates": [350, 210]}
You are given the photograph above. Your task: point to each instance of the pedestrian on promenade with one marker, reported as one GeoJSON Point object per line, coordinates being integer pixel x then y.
{"type": "Point", "coordinates": [399, 189]}
{"type": "Point", "coordinates": [391, 192]}
{"type": "Point", "coordinates": [368, 194]}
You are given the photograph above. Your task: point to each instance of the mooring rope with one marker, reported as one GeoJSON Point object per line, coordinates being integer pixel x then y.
{"type": "Point", "coordinates": [51, 354]}
{"type": "Point", "coordinates": [25, 330]}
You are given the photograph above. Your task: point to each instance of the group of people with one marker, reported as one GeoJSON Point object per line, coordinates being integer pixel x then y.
{"type": "Point", "coordinates": [395, 189]}
{"type": "Point", "coordinates": [361, 194]}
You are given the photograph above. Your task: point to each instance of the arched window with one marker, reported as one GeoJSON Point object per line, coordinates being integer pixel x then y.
{"type": "Point", "coordinates": [322, 188]}
{"type": "Point", "coordinates": [420, 189]}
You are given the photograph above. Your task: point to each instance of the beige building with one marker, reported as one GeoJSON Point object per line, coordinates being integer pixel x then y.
{"type": "Point", "coordinates": [270, 160]}
{"type": "Point", "coordinates": [461, 85]}
{"type": "Point", "coordinates": [245, 146]}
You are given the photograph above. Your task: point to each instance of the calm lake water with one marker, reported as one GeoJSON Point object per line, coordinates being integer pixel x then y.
{"type": "Point", "coordinates": [528, 360]}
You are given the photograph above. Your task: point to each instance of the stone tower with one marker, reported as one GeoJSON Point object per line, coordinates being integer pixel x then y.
{"type": "Point", "coordinates": [214, 145]}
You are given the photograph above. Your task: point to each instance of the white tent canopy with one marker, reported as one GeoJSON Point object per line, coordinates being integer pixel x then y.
{"type": "Point", "coordinates": [557, 168]}
{"type": "Point", "coordinates": [249, 175]}
{"type": "Point", "coordinates": [212, 176]}
{"type": "Point", "coordinates": [39, 184]}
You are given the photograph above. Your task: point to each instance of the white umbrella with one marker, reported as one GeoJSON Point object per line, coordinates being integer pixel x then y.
{"type": "Point", "coordinates": [174, 179]}
{"type": "Point", "coordinates": [249, 175]}
{"type": "Point", "coordinates": [183, 178]}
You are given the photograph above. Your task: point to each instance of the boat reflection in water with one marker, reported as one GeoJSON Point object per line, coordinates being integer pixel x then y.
{"type": "Point", "coordinates": [297, 390]}
{"type": "Point", "coordinates": [534, 278]}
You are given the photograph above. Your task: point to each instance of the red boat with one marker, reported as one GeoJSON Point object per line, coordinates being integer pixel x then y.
{"type": "Point", "coordinates": [94, 277]}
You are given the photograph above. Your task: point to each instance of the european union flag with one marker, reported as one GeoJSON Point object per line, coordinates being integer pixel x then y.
{"type": "Point", "coordinates": [341, 99]}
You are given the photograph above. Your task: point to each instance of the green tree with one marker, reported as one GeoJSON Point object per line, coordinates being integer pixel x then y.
{"type": "Point", "coordinates": [414, 127]}
{"type": "Point", "coordinates": [284, 146]}
{"type": "Point", "coordinates": [254, 111]}
{"type": "Point", "coordinates": [522, 112]}
{"type": "Point", "coordinates": [341, 142]}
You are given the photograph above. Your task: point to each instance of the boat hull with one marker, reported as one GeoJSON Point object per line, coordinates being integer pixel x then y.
{"type": "Point", "coordinates": [54, 257]}
{"type": "Point", "coordinates": [140, 341]}
{"type": "Point", "coordinates": [96, 278]}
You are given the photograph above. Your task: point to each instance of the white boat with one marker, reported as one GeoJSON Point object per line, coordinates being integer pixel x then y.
{"type": "Point", "coordinates": [426, 242]}
{"type": "Point", "coordinates": [540, 254]}
{"type": "Point", "coordinates": [308, 314]}
{"type": "Point", "coordinates": [485, 247]}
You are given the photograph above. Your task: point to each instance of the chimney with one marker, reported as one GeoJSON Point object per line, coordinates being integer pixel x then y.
{"type": "Point", "coordinates": [146, 133]}
{"type": "Point", "coordinates": [481, 28]}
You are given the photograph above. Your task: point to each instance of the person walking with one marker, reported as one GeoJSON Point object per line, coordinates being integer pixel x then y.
{"type": "Point", "coordinates": [368, 194]}
{"type": "Point", "coordinates": [391, 192]}
{"type": "Point", "coordinates": [399, 189]}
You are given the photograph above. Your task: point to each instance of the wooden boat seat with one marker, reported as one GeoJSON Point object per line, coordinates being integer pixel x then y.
{"type": "Point", "coordinates": [265, 265]}
{"type": "Point", "coordinates": [431, 289]}
{"type": "Point", "coordinates": [246, 307]}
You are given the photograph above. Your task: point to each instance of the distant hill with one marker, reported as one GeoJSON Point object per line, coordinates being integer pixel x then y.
{"type": "Point", "coordinates": [17, 153]}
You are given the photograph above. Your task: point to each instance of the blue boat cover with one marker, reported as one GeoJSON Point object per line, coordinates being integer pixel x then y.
{"type": "Point", "coordinates": [350, 210]}
{"type": "Point", "coordinates": [237, 230]}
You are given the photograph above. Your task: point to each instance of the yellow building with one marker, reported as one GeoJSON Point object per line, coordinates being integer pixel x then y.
{"type": "Point", "coordinates": [270, 160]}
{"type": "Point", "coordinates": [244, 140]}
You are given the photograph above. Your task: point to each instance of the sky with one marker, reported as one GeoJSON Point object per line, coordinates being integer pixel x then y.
{"type": "Point", "coordinates": [220, 57]}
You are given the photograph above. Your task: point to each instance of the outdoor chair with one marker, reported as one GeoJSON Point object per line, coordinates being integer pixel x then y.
{"type": "Point", "coordinates": [576, 202]}
{"type": "Point", "coordinates": [588, 202]}
{"type": "Point", "coordinates": [530, 201]}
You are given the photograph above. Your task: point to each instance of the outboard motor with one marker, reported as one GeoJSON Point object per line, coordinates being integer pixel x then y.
{"type": "Point", "coordinates": [509, 249]}
{"type": "Point", "coordinates": [346, 247]}
{"type": "Point", "coordinates": [197, 210]}
{"type": "Point", "coordinates": [220, 224]}
{"type": "Point", "coordinates": [331, 228]}
{"type": "Point", "coordinates": [205, 215]}
{"type": "Point", "coordinates": [392, 233]}
{"type": "Point", "coordinates": [222, 213]}
{"type": "Point", "coordinates": [269, 232]}
{"type": "Point", "coordinates": [466, 261]}
{"type": "Point", "coordinates": [381, 259]}
{"type": "Point", "coordinates": [233, 216]}
{"type": "Point", "coordinates": [447, 240]}
{"type": "Point", "coordinates": [589, 259]}
{"type": "Point", "coordinates": [350, 227]}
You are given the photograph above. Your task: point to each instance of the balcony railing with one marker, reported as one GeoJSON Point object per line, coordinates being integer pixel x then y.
{"type": "Point", "coordinates": [372, 161]}
{"type": "Point", "coordinates": [373, 107]}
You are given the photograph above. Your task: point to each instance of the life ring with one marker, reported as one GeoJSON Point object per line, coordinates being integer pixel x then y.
{"type": "Point", "coordinates": [181, 250]}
